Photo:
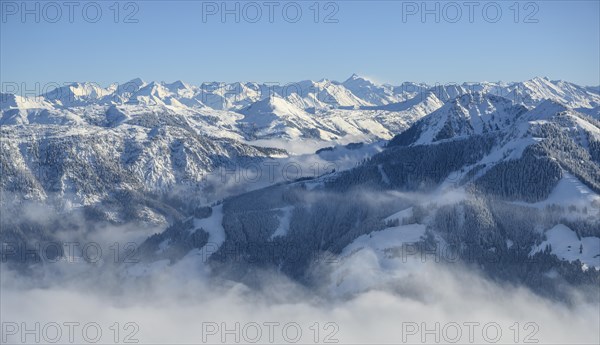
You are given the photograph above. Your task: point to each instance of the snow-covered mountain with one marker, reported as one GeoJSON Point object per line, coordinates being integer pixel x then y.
{"type": "Point", "coordinates": [529, 93]}
{"type": "Point", "coordinates": [321, 110]}
{"type": "Point", "coordinates": [493, 191]}
{"type": "Point", "coordinates": [354, 92]}
{"type": "Point", "coordinates": [17, 110]}
{"type": "Point", "coordinates": [319, 94]}
{"type": "Point", "coordinates": [278, 118]}
{"type": "Point", "coordinates": [11, 101]}
{"type": "Point", "coordinates": [79, 94]}
{"type": "Point", "coordinates": [551, 136]}
{"type": "Point", "coordinates": [464, 165]}
{"type": "Point", "coordinates": [469, 114]}
{"type": "Point", "coordinates": [371, 92]}
{"type": "Point", "coordinates": [145, 114]}
{"type": "Point", "coordinates": [532, 92]}
{"type": "Point", "coordinates": [88, 165]}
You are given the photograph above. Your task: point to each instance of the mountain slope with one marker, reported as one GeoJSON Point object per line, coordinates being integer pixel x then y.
{"type": "Point", "coordinates": [276, 117]}
{"type": "Point", "coordinates": [534, 91]}
{"type": "Point", "coordinates": [371, 92]}
{"type": "Point", "coordinates": [470, 114]}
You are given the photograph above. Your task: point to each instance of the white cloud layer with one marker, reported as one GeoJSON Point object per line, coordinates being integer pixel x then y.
{"type": "Point", "coordinates": [181, 304]}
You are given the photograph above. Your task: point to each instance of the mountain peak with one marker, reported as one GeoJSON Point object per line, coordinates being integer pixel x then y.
{"type": "Point", "coordinates": [356, 77]}
{"type": "Point", "coordinates": [136, 81]}
{"type": "Point", "coordinates": [540, 79]}
{"type": "Point", "coordinates": [177, 85]}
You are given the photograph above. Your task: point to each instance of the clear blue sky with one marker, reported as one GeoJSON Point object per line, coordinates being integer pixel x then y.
{"type": "Point", "coordinates": [171, 41]}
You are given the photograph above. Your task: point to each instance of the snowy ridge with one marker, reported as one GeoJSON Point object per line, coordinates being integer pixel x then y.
{"type": "Point", "coordinates": [469, 114]}
{"type": "Point", "coordinates": [356, 91]}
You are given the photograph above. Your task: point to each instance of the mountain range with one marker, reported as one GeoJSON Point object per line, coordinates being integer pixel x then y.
{"type": "Point", "coordinates": [499, 172]}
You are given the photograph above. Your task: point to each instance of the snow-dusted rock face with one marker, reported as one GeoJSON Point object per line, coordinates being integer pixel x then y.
{"type": "Point", "coordinates": [469, 114]}
{"type": "Point", "coordinates": [534, 91]}
{"type": "Point", "coordinates": [372, 92]}
{"type": "Point", "coordinates": [73, 167]}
